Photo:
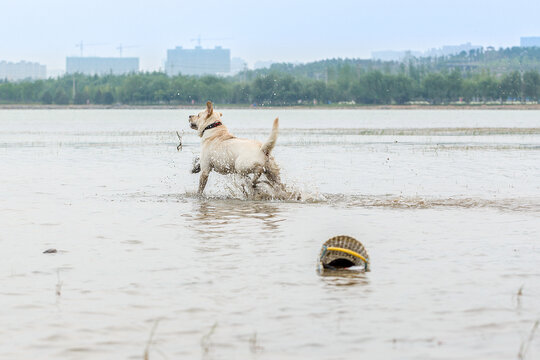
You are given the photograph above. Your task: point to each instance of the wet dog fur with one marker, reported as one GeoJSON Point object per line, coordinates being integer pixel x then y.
{"type": "Point", "coordinates": [226, 154]}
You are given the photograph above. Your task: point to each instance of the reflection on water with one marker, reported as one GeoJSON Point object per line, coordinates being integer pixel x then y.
{"type": "Point", "coordinates": [222, 218]}
{"type": "Point", "coordinates": [343, 277]}
{"type": "Point", "coordinates": [446, 202]}
{"type": "Point", "coordinates": [233, 204]}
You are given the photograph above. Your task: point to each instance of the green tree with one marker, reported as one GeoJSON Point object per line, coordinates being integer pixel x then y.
{"type": "Point", "coordinates": [46, 97]}
{"type": "Point", "coordinates": [372, 89]}
{"type": "Point", "coordinates": [265, 89]}
{"type": "Point", "coordinates": [454, 82]}
{"type": "Point", "coordinates": [531, 85]}
{"type": "Point", "coordinates": [60, 97]}
{"type": "Point", "coordinates": [9, 92]}
{"type": "Point", "coordinates": [488, 88]}
{"type": "Point", "coordinates": [470, 90]}
{"type": "Point", "coordinates": [510, 87]}
{"type": "Point", "coordinates": [435, 88]}
{"type": "Point", "coordinates": [108, 98]}
{"type": "Point", "coordinates": [97, 98]}
{"type": "Point", "coordinates": [401, 88]}
{"type": "Point", "coordinates": [81, 97]}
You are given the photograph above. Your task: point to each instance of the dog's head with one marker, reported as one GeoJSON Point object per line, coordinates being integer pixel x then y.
{"type": "Point", "coordinates": [206, 117]}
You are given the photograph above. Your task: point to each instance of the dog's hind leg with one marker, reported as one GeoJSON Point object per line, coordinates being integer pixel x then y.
{"type": "Point", "coordinates": [257, 174]}
{"type": "Point", "coordinates": [271, 172]}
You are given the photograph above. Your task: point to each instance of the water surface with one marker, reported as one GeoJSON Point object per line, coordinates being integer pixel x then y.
{"type": "Point", "coordinates": [446, 202]}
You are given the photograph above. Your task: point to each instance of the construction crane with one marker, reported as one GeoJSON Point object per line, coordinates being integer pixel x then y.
{"type": "Point", "coordinates": [81, 46]}
{"type": "Point", "coordinates": [120, 48]}
{"type": "Point", "coordinates": [198, 39]}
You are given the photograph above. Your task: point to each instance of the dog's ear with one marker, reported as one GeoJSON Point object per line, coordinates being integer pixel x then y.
{"type": "Point", "coordinates": [209, 108]}
{"type": "Point", "coordinates": [220, 114]}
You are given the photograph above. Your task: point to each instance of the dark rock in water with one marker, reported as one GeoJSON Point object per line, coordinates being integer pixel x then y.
{"type": "Point", "coordinates": [50, 251]}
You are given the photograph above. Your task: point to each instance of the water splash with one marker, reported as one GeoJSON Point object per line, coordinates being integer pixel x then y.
{"type": "Point", "coordinates": [240, 187]}
{"type": "Point", "coordinates": [235, 192]}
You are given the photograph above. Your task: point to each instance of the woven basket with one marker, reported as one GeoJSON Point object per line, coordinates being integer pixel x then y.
{"type": "Point", "coordinates": [335, 259]}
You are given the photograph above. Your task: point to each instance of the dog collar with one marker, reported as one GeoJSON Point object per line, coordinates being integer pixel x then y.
{"type": "Point", "coordinates": [213, 125]}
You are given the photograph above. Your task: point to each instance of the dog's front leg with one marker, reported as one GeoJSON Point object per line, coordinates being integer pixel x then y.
{"type": "Point", "coordinates": [203, 179]}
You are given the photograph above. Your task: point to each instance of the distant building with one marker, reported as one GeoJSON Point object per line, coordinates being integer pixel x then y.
{"type": "Point", "coordinates": [269, 63]}
{"type": "Point", "coordinates": [529, 41]}
{"type": "Point", "coordinates": [237, 65]}
{"type": "Point", "coordinates": [22, 71]}
{"type": "Point", "coordinates": [198, 61]}
{"type": "Point", "coordinates": [101, 65]}
{"type": "Point", "coordinates": [263, 64]}
{"type": "Point", "coordinates": [447, 50]}
{"type": "Point", "coordinates": [391, 55]}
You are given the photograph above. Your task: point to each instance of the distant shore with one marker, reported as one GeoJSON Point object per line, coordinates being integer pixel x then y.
{"type": "Point", "coordinates": [299, 107]}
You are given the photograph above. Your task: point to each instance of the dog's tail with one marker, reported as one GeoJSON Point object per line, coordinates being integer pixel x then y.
{"type": "Point", "coordinates": [269, 144]}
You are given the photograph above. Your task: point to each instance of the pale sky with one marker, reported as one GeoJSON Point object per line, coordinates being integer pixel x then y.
{"type": "Point", "coordinates": [279, 30]}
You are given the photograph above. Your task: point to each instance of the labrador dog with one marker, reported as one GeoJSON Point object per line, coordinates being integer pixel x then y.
{"type": "Point", "coordinates": [226, 154]}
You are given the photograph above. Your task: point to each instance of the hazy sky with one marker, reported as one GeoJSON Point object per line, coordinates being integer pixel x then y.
{"type": "Point", "coordinates": [47, 31]}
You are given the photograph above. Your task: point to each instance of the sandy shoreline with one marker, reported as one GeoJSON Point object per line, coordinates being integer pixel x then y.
{"type": "Point", "coordinates": [317, 107]}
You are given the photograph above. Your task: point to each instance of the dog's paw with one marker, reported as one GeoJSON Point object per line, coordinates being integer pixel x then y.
{"type": "Point", "coordinates": [196, 168]}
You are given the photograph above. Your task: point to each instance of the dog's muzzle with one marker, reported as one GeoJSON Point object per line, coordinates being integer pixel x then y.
{"type": "Point", "coordinates": [193, 126]}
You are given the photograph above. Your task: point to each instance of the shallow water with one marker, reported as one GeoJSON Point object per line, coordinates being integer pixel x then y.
{"type": "Point", "coordinates": [446, 202]}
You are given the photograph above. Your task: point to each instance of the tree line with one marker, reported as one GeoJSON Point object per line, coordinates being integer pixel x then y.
{"type": "Point", "coordinates": [476, 61]}
{"type": "Point", "coordinates": [345, 83]}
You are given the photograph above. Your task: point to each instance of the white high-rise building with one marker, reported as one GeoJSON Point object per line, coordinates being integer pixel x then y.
{"type": "Point", "coordinates": [22, 70]}
{"type": "Point", "coordinates": [198, 61]}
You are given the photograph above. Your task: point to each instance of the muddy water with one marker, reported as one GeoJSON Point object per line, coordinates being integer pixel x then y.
{"type": "Point", "coordinates": [446, 202]}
